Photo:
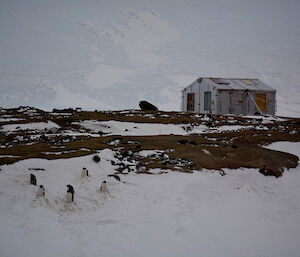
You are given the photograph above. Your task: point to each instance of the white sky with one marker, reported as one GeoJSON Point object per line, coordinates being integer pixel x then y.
{"type": "Point", "coordinates": [100, 55]}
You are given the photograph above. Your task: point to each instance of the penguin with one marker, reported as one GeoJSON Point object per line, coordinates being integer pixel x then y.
{"type": "Point", "coordinates": [103, 187]}
{"type": "Point", "coordinates": [41, 191]}
{"type": "Point", "coordinates": [84, 173]}
{"type": "Point", "coordinates": [70, 194]}
{"type": "Point", "coordinates": [32, 179]}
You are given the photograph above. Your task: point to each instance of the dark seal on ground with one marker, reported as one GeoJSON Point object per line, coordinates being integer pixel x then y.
{"type": "Point", "coordinates": [146, 106]}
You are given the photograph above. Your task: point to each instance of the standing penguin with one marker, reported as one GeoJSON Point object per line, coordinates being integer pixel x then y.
{"type": "Point", "coordinates": [103, 187]}
{"type": "Point", "coordinates": [70, 194]}
{"type": "Point", "coordinates": [84, 173]}
{"type": "Point", "coordinates": [41, 191]}
{"type": "Point", "coordinates": [32, 179]}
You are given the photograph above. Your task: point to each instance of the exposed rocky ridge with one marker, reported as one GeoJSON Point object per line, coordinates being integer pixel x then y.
{"type": "Point", "coordinates": [212, 149]}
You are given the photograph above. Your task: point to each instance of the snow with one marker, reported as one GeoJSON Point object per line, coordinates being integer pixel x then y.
{"type": "Point", "coordinates": [63, 152]}
{"type": "Point", "coordinates": [232, 128]}
{"type": "Point", "coordinates": [206, 151]}
{"type": "Point", "coordinates": [139, 129]}
{"type": "Point", "coordinates": [157, 171]}
{"type": "Point", "coordinates": [265, 119]}
{"type": "Point", "coordinates": [173, 214]}
{"type": "Point", "coordinates": [30, 126]}
{"type": "Point", "coordinates": [9, 119]}
{"type": "Point", "coordinates": [61, 114]}
{"type": "Point", "coordinates": [9, 156]}
{"type": "Point", "coordinates": [289, 147]}
{"type": "Point", "coordinates": [147, 153]}
{"type": "Point", "coordinates": [145, 129]}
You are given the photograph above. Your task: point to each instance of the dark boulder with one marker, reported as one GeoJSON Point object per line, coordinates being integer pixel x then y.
{"type": "Point", "coordinates": [182, 141]}
{"type": "Point", "coordinates": [96, 158]}
{"type": "Point", "coordinates": [146, 106]}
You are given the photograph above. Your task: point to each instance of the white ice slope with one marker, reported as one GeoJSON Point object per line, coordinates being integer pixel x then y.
{"type": "Point", "coordinates": [202, 214]}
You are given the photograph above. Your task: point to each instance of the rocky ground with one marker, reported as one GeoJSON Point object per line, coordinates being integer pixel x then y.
{"type": "Point", "coordinates": [171, 141]}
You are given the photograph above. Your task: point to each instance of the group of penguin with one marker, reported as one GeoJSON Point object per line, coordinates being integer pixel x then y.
{"type": "Point", "coordinates": [70, 191]}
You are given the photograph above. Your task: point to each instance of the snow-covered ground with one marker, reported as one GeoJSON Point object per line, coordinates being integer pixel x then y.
{"type": "Point", "coordinates": [138, 129]}
{"type": "Point", "coordinates": [29, 126]}
{"type": "Point", "coordinates": [176, 214]}
{"type": "Point", "coordinates": [9, 119]}
{"type": "Point", "coordinates": [145, 129]}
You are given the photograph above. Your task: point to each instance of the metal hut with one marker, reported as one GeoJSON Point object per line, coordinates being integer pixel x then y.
{"type": "Point", "coordinates": [229, 96]}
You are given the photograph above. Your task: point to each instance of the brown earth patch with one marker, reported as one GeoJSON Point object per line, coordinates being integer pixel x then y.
{"type": "Point", "coordinates": [229, 149]}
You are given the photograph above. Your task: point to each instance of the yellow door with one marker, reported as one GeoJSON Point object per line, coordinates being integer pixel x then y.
{"type": "Point", "coordinates": [261, 101]}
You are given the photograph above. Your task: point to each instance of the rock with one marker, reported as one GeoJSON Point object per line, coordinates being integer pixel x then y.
{"type": "Point", "coordinates": [96, 158]}
{"type": "Point", "coordinates": [146, 106]}
{"type": "Point", "coordinates": [209, 124]}
{"type": "Point", "coordinates": [182, 141]}
{"type": "Point", "coordinates": [115, 176]}
{"type": "Point", "coordinates": [268, 172]}
{"type": "Point", "coordinates": [185, 142]}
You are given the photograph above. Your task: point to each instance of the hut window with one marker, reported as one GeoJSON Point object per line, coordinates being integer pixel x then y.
{"type": "Point", "coordinates": [219, 81]}
{"type": "Point", "coordinates": [207, 101]}
{"type": "Point", "coordinates": [190, 101]}
{"type": "Point", "coordinates": [248, 82]}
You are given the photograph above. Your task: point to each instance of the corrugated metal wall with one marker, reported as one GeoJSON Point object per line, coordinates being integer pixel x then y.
{"type": "Point", "coordinates": [243, 102]}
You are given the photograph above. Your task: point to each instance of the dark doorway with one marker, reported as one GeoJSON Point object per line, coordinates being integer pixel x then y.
{"type": "Point", "coordinates": [190, 102]}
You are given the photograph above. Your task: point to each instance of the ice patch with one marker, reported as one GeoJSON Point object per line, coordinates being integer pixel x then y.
{"type": "Point", "coordinates": [30, 126]}
{"type": "Point", "coordinates": [206, 151]}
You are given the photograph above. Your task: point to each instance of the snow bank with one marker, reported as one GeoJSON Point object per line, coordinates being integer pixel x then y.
{"type": "Point", "coordinates": [147, 153]}
{"type": "Point", "coordinates": [146, 129]}
{"type": "Point", "coordinates": [8, 156]}
{"type": "Point", "coordinates": [30, 126]}
{"type": "Point", "coordinates": [10, 119]}
{"type": "Point", "coordinates": [137, 129]}
{"type": "Point", "coordinates": [231, 128]}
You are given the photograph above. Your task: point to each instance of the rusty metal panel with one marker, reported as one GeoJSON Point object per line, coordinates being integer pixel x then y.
{"type": "Point", "coordinates": [190, 102]}
{"type": "Point", "coordinates": [237, 101]}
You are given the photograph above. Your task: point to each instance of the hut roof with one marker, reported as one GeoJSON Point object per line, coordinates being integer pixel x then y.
{"type": "Point", "coordinates": [238, 84]}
